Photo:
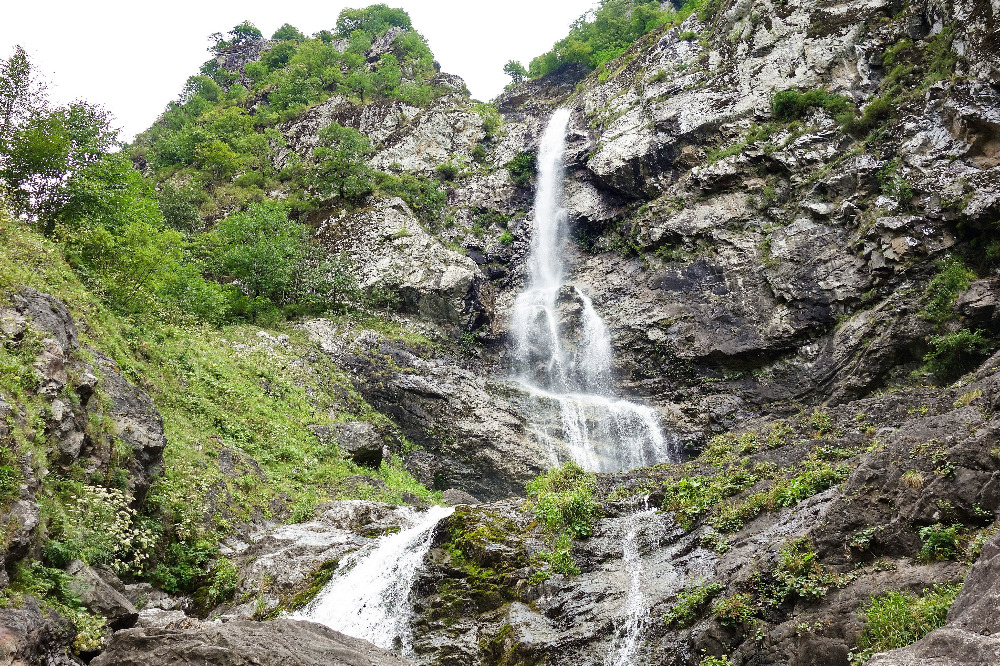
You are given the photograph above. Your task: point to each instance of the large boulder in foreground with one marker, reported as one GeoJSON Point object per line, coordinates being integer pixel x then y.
{"type": "Point", "coordinates": [241, 643]}
{"type": "Point", "coordinates": [31, 635]}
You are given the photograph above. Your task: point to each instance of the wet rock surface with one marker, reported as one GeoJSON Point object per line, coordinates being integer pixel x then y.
{"type": "Point", "coordinates": [240, 642]}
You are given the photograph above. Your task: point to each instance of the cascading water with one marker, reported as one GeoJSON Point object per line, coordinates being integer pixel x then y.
{"type": "Point", "coordinates": [368, 596]}
{"type": "Point", "coordinates": [634, 613]}
{"type": "Point", "coordinates": [574, 409]}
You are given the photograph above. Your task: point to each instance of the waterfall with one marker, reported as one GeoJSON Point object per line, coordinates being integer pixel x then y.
{"type": "Point", "coordinates": [562, 347]}
{"type": "Point", "coordinates": [368, 596]}
{"type": "Point", "coordinates": [634, 613]}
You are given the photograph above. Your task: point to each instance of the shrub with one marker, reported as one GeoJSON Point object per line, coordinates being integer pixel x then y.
{"type": "Point", "coordinates": [895, 619]}
{"type": "Point", "coordinates": [340, 162]}
{"type": "Point", "coordinates": [506, 237]}
{"type": "Point", "coordinates": [606, 32]}
{"type": "Point", "coordinates": [939, 542]}
{"type": "Point", "coordinates": [522, 168]}
{"type": "Point", "coordinates": [788, 105]}
{"type": "Point", "coordinates": [425, 196]}
{"type": "Point", "coordinates": [737, 610]}
{"type": "Point", "coordinates": [563, 500]}
{"type": "Point", "coordinates": [799, 574]}
{"type": "Point", "coordinates": [955, 352]}
{"type": "Point", "coordinates": [877, 111]}
{"type": "Point", "coordinates": [446, 171]}
{"type": "Point", "coordinates": [939, 296]}
{"type": "Point", "coordinates": [99, 526]}
{"type": "Point", "coordinates": [690, 603]}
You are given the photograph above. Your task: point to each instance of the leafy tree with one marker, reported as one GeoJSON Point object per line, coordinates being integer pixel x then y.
{"type": "Point", "coordinates": [340, 162]}
{"type": "Point", "coordinates": [373, 20]}
{"type": "Point", "coordinates": [606, 32]}
{"type": "Point", "coordinates": [288, 32]}
{"type": "Point", "coordinates": [388, 75]}
{"type": "Point", "coordinates": [242, 33]}
{"type": "Point", "coordinates": [21, 94]}
{"type": "Point", "coordinates": [360, 82]}
{"type": "Point", "coordinates": [515, 71]}
{"type": "Point", "coordinates": [46, 150]}
{"type": "Point", "coordinates": [202, 86]}
{"type": "Point", "coordinates": [259, 250]}
{"type": "Point", "coordinates": [278, 55]}
{"type": "Point", "coordinates": [179, 207]}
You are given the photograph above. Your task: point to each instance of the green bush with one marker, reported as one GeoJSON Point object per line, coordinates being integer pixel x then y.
{"type": "Point", "coordinates": [895, 619]}
{"type": "Point", "coordinates": [952, 279]}
{"type": "Point", "coordinates": [877, 111]}
{"type": "Point", "coordinates": [737, 610]}
{"type": "Point", "coordinates": [954, 353]}
{"type": "Point", "coordinates": [563, 500]}
{"type": "Point", "coordinates": [690, 603]}
{"type": "Point", "coordinates": [425, 197]}
{"type": "Point", "coordinates": [522, 168]}
{"type": "Point", "coordinates": [10, 478]}
{"type": "Point", "coordinates": [341, 166]}
{"type": "Point", "coordinates": [788, 105]}
{"type": "Point", "coordinates": [446, 171]}
{"type": "Point", "coordinates": [940, 542]}
{"type": "Point", "coordinates": [606, 32]}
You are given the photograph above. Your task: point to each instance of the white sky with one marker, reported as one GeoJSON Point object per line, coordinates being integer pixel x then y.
{"type": "Point", "coordinates": [134, 57]}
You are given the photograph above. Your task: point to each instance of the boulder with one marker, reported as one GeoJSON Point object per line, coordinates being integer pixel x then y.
{"type": "Point", "coordinates": [29, 635]}
{"type": "Point", "coordinates": [241, 643]}
{"type": "Point", "coordinates": [361, 442]}
{"type": "Point", "coordinates": [101, 597]}
{"type": "Point", "coordinates": [391, 254]}
{"type": "Point", "coordinates": [455, 497]}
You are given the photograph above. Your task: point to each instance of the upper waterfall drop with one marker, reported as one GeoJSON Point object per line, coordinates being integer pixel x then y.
{"type": "Point", "coordinates": [566, 366]}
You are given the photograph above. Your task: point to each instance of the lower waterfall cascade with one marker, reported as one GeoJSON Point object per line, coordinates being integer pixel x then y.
{"type": "Point", "coordinates": [368, 596]}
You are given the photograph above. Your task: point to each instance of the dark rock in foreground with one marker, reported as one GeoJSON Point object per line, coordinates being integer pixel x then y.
{"type": "Point", "coordinates": [242, 642]}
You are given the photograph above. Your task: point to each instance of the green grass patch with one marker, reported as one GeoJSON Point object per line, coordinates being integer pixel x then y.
{"type": "Point", "coordinates": [895, 619]}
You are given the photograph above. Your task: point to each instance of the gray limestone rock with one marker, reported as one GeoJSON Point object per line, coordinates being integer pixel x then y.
{"type": "Point", "coordinates": [241, 643]}
{"type": "Point", "coordinates": [100, 596]}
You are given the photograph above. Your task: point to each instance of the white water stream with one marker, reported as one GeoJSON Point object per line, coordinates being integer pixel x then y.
{"type": "Point", "coordinates": [368, 596]}
{"type": "Point", "coordinates": [567, 369]}
{"type": "Point", "coordinates": [633, 616]}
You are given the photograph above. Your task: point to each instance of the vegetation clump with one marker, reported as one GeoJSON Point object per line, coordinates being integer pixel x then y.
{"type": "Point", "coordinates": [563, 501]}
{"type": "Point", "coordinates": [690, 604]}
{"type": "Point", "coordinates": [605, 33]}
{"type": "Point", "coordinates": [895, 619]}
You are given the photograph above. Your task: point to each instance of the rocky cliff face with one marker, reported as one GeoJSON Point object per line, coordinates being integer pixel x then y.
{"type": "Point", "coordinates": [790, 279]}
{"type": "Point", "coordinates": [749, 263]}
{"type": "Point", "coordinates": [741, 258]}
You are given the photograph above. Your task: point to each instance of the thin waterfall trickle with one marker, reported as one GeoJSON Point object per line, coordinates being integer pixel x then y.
{"type": "Point", "coordinates": [634, 613]}
{"type": "Point", "coordinates": [369, 595]}
{"type": "Point", "coordinates": [562, 347]}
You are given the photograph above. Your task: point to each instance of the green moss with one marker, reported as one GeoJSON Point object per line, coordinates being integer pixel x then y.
{"type": "Point", "coordinates": [318, 579]}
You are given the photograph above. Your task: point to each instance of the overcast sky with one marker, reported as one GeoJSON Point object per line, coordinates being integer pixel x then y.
{"type": "Point", "coordinates": [133, 57]}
